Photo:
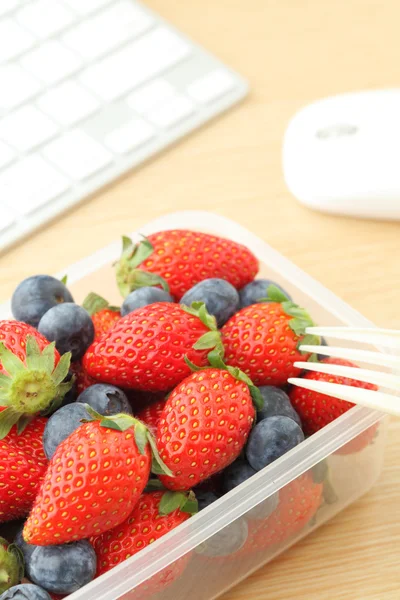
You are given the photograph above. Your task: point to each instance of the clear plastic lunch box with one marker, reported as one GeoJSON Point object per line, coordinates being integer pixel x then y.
{"type": "Point", "coordinates": [350, 474]}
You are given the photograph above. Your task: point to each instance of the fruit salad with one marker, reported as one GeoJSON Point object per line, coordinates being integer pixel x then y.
{"type": "Point", "coordinates": [118, 423]}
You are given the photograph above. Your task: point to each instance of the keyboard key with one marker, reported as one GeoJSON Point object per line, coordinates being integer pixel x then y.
{"type": "Point", "coordinates": [26, 128]}
{"type": "Point", "coordinates": [148, 97]}
{"type": "Point", "coordinates": [16, 86]}
{"type": "Point", "coordinates": [211, 86]}
{"type": "Point", "coordinates": [68, 104]}
{"type": "Point", "coordinates": [51, 62]}
{"type": "Point", "coordinates": [6, 155]}
{"type": "Point", "coordinates": [85, 7]}
{"type": "Point", "coordinates": [7, 218]}
{"type": "Point", "coordinates": [173, 111]}
{"type": "Point", "coordinates": [30, 184]}
{"type": "Point", "coordinates": [13, 40]}
{"type": "Point", "coordinates": [45, 17]}
{"type": "Point", "coordinates": [78, 155]}
{"type": "Point", "coordinates": [136, 63]}
{"type": "Point", "coordinates": [109, 29]}
{"type": "Point", "coordinates": [133, 134]}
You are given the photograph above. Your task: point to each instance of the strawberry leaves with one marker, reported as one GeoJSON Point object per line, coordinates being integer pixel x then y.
{"type": "Point", "coordinates": [170, 501]}
{"type": "Point", "coordinates": [212, 339]}
{"type": "Point", "coordinates": [93, 303]}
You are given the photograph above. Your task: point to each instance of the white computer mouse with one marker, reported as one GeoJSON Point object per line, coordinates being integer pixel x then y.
{"type": "Point", "coordinates": [342, 154]}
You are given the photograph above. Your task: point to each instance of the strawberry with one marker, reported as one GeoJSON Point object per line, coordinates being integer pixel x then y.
{"type": "Point", "coordinates": [317, 410]}
{"type": "Point", "coordinates": [103, 315]}
{"type": "Point", "coordinates": [82, 379]}
{"type": "Point", "coordinates": [150, 415]}
{"type": "Point", "coordinates": [31, 375]}
{"type": "Point", "coordinates": [30, 440]}
{"type": "Point", "coordinates": [92, 482]}
{"type": "Point", "coordinates": [360, 442]}
{"type": "Point", "coordinates": [146, 349]}
{"type": "Point", "coordinates": [20, 479]}
{"type": "Point", "coordinates": [154, 515]}
{"type": "Point", "coordinates": [179, 259]}
{"type": "Point", "coordinates": [263, 339]}
{"type": "Point", "coordinates": [204, 426]}
{"type": "Point", "coordinates": [11, 565]}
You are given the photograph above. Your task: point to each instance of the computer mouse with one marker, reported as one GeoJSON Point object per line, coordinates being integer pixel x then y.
{"type": "Point", "coordinates": [342, 154]}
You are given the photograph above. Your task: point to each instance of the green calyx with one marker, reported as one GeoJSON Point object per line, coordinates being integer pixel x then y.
{"type": "Point", "coordinates": [300, 317]}
{"type": "Point", "coordinates": [212, 339]}
{"type": "Point", "coordinates": [11, 565]}
{"type": "Point", "coordinates": [184, 501]}
{"type": "Point", "coordinates": [217, 362]}
{"type": "Point", "coordinates": [93, 303]}
{"type": "Point", "coordinates": [37, 386]}
{"type": "Point", "coordinates": [122, 422]}
{"type": "Point", "coordinates": [129, 277]}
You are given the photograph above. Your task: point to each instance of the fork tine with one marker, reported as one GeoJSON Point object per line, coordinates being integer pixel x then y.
{"type": "Point", "coordinates": [386, 380]}
{"type": "Point", "coordinates": [367, 356]}
{"type": "Point", "coordinates": [377, 400]}
{"type": "Point", "coordinates": [389, 338]}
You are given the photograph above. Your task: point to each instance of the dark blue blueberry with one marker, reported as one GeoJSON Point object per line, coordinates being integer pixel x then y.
{"type": "Point", "coordinates": [61, 424]}
{"type": "Point", "coordinates": [276, 402]}
{"type": "Point", "coordinates": [270, 439]}
{"type": "Point", "coordinates": [63, 569]}
{"type": "Point", "coordinates": [70, 327]}
{"type": "Point", "coordinates": [257, 289]}
{"type": "Point", "coordinates": [142, 297]}
{"type": "Point", "coordinates": [72, 395]}
{"type": "Point", "coordinates": [219, 296]}
{"type": "Point", "coordinates": [25, 591]}
{"type": "Point", "coordinates": [106, 399]}
{"type": "Point", "coordinates": [264, 509]}
{"type": "Point", "coordinates": [238, 472]}
{"type": "Point", "coordinates": [35, 296]}
{"type": "Point", "coordinates": [322, 342]}
{"type": "Point", "coordinates": [26, 549]}
{"type": "Point", "coordinates": [320, 471]}
{"type": "Point", "coordinates": [227, 541]}
{"type": "Point", "coordinates": [205, 498]}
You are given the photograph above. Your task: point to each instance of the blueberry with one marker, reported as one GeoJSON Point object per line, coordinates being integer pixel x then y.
{"type": "Point", "coordinates": [63, 569]}
{"type": "Point", "coordinates": [205, 498]}
{"type": "Point", "coordinates": [270, 439]}
{"type": "Point", "coordinates": [61, 424]}
{"type": "Point", "coordinates": [219, 296]}
{"type": "Point", "coordinates": [276, 402]}
{"type": "Point", "coordinates": [322, 342]}
{"type": "Point", "coordinates": [26, 549]}
{"type": "Point", "coordinates": [256, 290]}
{"type": "Point", "coordinates": [265, 508]}
{"type": "Point", "coordinates": [72, 394]}
{"type": "Point", "coordinates": [25, 591]}
{"type": "Point", "coordinates": [238, 472]}
{"type": "Point", "coordinates": [70, 327]}
{"type": "Point", "coordinates": [227, 541]}
{"type": "Point", "coordinates": [320, 471]}
{"type": "Point", "coordinates": [106, 399]}
{"type": "Point", "coordinates": [142, 297]}
{"type": "Point", "coordinates": [35, 296]}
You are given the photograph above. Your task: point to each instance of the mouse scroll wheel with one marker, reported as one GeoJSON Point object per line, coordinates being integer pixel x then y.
{"type": "Point", "coordinates": [336, 131]}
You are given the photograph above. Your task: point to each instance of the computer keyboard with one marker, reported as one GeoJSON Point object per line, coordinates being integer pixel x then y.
{"type": "Point", "coordinates": [88, 90]}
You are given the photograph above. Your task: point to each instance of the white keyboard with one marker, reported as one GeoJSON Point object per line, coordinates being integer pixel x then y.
{"type": "Point", "coordinates": [88, 90]}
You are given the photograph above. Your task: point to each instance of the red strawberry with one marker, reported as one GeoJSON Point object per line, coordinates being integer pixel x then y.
{"type": "Point", "coordinates": [263, 339]}
{"type": "Point", "coordinates": [30, 440]}
{"type": "Point", "coordinates": [360, 442]}
{"type": "Point", "coordinates": [317, 410]}
{"type": "Point", "coordinates": [11, 566]}
{"type": "Point", "coordinates": [146, 349]}
{"type": "Point", "coordinates": [20, 479]}
{"type": "Point", "coordinates": [93, 481]}
{"type": "Point", "coordinates": [183, 258]}
{"type": "Point", "coordinates": [146, 524]}
{"type": "Point", "coordinates": [204, 426]}
{"type": "Point", "coordinates": [82, 379]}
{"type": "Point", "coordinates": [150, 415]}
{"type": "Point", "coordinates": [103, 315]}
{"type": "Point", "coordinates": [31, 375]}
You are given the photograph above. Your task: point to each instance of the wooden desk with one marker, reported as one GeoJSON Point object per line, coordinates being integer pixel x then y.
{"type": "Point", "coordinates": [292, 51]}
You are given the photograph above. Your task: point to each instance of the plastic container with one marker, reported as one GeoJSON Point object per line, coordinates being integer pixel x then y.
{"type": "Point", "coordinates": [183, 563]}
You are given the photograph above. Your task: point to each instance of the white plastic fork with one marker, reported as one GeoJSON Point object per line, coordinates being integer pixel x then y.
{"type": "Point", "coordinates": [386, 338]}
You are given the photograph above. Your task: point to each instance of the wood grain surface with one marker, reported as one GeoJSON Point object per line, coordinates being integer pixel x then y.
{"type": "Point", "coordinates": [292, 52]}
